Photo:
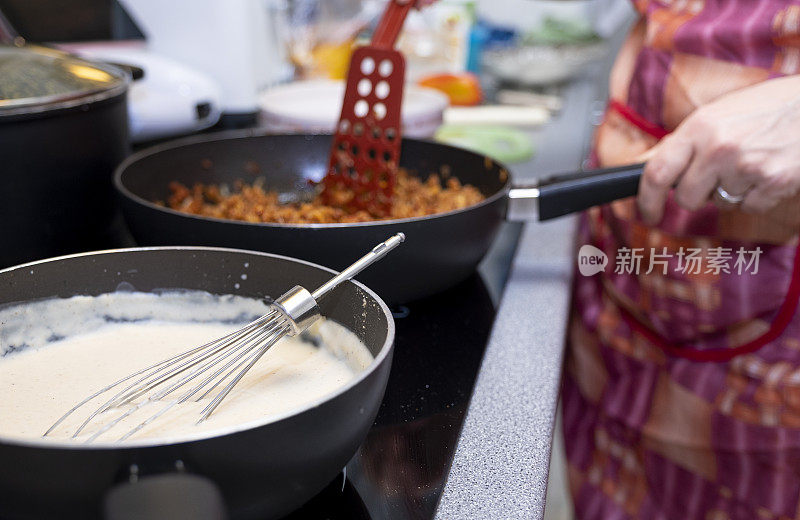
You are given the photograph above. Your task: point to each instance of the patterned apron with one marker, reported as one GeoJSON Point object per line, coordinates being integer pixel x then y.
{"type": "Point", "coordinates": [681, 393]}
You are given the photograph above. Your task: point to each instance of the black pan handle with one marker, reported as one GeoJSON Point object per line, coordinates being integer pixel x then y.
{"type": "Point", "coordinates": [165, 496]}
{"type": "Point", "coordinates": [568, 193]}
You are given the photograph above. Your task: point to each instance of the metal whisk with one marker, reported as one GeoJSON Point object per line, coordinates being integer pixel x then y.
{"type": "Point", "coordinates": [204, 368]}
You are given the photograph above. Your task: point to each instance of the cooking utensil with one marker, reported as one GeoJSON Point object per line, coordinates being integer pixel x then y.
{"type": "Point", "coordinates": [440, 251]}
{"type": "Point", "coordinates": [63, 129]}
{"type": "Point", "coordinates": [235, 353]}
{"type": "Point", "coordinates": [261, 470]}
{"type": "Point", "coordinates": [362, 164]}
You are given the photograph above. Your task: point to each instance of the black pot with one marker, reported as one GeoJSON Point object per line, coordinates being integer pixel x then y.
{"type": "Point", "coordinates": [263, 471]}
{"type": "Point", "coordinates": [63, 128]}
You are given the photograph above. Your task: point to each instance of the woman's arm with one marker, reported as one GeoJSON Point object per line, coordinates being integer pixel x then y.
{"type": "Point", "coordinates": [747, 142]}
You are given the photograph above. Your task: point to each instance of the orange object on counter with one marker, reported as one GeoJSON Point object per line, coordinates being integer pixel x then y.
{"type": "Point", "coordinates": [463, 89]}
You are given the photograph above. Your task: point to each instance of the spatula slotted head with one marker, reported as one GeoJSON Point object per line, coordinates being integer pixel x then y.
{"type": "Point", "coordinates": [365, 153]}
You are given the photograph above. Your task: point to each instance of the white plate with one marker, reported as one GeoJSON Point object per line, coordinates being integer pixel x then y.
{"type": "Point", "coordinates": [314, 107]}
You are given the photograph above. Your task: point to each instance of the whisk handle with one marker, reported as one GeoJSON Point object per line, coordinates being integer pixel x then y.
{"type": "Point", "coordinates": [362, 263]}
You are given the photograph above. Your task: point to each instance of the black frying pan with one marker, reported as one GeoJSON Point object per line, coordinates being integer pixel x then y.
{"type": "Point", "coordinates": [440, 251]}
{"type": "Point", "coordinates": [260, 472]}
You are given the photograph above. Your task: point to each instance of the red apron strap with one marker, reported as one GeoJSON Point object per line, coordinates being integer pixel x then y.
{"type": "Point", "coordinates": [637, 119]}
{"type": "Point", "coordinates": [779, 323]}
{"type": "Point", "coordinates": [782, 319]}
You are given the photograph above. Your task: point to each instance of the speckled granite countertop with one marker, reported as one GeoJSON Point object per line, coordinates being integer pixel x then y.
{"type": "Point", "coordinates": [501, 462]}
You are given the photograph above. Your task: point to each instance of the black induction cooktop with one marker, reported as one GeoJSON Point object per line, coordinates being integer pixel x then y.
{"type": "Point", "coordinates": [400, 470]}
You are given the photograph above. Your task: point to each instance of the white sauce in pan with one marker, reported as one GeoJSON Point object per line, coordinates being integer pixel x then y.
{"type": "Point", "coordinates": [57, 352]}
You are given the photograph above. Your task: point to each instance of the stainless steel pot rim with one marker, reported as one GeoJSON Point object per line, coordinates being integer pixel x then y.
{"type": "Point", "coordinates": [385, 351]}
{"type": "Point", "coordinates": [41, 104]}
{"type": "Point", "coordinates": [241, 134]}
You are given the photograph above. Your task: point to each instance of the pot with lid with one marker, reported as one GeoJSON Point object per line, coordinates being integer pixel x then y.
{"type": "Point", "coordinates": [63, 128]}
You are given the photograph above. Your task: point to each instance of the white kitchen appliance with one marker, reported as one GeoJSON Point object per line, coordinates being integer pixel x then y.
{"type": "Point", "coordinates": [170, 99]}
{"type": "Point", "coordinates": [238, 43]}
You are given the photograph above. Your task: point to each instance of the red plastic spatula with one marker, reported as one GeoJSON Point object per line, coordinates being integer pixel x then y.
{"type": "Point", "coordinates": [366, 147]}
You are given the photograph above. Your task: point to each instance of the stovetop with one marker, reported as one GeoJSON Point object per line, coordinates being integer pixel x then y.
{"type": "Point", "coordinates": [400, 470]}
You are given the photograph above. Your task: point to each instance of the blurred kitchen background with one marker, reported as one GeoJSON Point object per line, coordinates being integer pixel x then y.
{"type": "Point", "coordinates": [490, 75]}
{"type": "Point", "coordinates": [278, 63]}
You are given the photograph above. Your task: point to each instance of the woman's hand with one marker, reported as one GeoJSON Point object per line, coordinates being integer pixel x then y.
{"type": "Point", "coordinates": [747, 142]}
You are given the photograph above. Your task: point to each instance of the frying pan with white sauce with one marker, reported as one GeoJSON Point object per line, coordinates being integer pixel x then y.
{"type": "Point", "coordinates": [258, 470]}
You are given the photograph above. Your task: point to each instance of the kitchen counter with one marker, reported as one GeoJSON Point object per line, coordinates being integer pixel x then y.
{"type": "Point", "coordinates": [501, 463]}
